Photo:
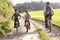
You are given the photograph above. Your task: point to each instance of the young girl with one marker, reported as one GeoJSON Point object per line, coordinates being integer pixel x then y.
{"type": "Point", "coordinates": [27, 17]}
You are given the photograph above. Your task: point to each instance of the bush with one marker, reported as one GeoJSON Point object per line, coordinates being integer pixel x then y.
{"type": "Point", "coordinates": [6, 11]}
{"type": "Point", "coordinates": [5, 27]}
{"type": "Point", "coordinates": [2, 32]}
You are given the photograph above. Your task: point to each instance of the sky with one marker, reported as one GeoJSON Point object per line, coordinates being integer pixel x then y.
{"type": "Point", "coordinates": [22, 1]}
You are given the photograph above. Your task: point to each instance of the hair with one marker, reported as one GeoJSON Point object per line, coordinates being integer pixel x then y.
{"type": "Point", "coordinates": [16, 10]}
{"type": "Point", "coordinates": [26, 10]}
{"type": "Point", "coordinates": [47, 3]}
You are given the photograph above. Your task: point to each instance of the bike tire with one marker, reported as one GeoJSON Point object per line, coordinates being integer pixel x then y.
{"type": "Point", "coordinates": [16, 27]}
{"type": "Point", "coordinates": [50, 25]}
{"type": "Point", "coordinates": [27, 28]}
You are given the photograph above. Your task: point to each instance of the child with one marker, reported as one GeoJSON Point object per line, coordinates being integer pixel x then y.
{"type": "Point", "coordinates": [15, 17]}
{"type": "Point", "coordinates": [27, 17]}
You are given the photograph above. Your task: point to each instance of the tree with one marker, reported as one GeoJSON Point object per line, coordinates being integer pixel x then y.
{"type": "Point", "coordinates": [34, 6]}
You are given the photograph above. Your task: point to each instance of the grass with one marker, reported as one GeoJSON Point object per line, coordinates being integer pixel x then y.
{"type": "Point", "coordinates": [42, 34]}
{"type": "Point", "coordinates": [40, 16]}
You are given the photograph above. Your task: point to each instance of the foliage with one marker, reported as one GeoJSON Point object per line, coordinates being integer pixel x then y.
{"type": "Point", "coordinates": [34, 6]}
{"type": "Point", "coordinates": [6, 11]}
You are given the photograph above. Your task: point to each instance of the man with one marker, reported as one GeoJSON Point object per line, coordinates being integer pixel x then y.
{"type": "Point", "coordinates": [16, 19]}
{"type": "Point", "coordinates": [48, 11]}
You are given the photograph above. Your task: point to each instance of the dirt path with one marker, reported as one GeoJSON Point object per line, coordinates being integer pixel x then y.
{"type": "Point", "coordinates": [54, 34]}
{"type": "Point", "coordinates": [21, 34]}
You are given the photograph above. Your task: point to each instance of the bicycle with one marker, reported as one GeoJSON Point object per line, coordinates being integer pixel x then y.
{"type": "Point", "coordinates": [16, 24]}
{"type": "Point", "coordinates": [27, 25]}
{"type": "Point", "coordinates": [49, 23]}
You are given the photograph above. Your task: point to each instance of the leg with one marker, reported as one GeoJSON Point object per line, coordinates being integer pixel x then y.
{"type": "Point", "coordinates": [25, 23]}
{"type": "Point", "coordinates": [29, 22]}
{"type": "Point", "coordinates": [46, 21]}
{"type": "Point", "coordinates": [18, 24]}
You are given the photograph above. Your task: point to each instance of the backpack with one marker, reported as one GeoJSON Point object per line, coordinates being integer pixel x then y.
{"type": "Point", "coordinates": [48, 10]}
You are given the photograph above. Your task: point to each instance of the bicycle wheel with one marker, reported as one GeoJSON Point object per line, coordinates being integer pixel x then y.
{"type": "Point", "coordinates": [27, 28]}
{"type": "Point", "coordinates": [16, 26]}
{"type": "Point", "coordinates": [27, 25]}
{"type": "Point", "coordinates": [17, 29]}
{"type": "Point", "coordinates": [50, 25]}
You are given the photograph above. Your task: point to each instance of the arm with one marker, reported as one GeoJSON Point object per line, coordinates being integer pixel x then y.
{"type": "Point", "coordinates": [44, 11]}
{"type": "Point", "coordinates": [52, 11]}
{"type": "Point", "coordinates": [29, 16]}
{"type": "Point", "coordinates": [19, 15]}
{"type": "Point", "coordinates": [12, 16]}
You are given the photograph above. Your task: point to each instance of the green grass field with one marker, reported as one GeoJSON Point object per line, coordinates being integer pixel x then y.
{"type": "Point", "coordinates": [40, 16]}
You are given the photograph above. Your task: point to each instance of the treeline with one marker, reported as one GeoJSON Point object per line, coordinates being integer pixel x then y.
{"type": "Point", "coordinates": [6, 11]}
{"type": "Point", "coordinates": [34, 6]}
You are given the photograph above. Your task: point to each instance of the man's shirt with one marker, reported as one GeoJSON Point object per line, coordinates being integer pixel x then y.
{"type": "Point", "coordinates": [46, 9]}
